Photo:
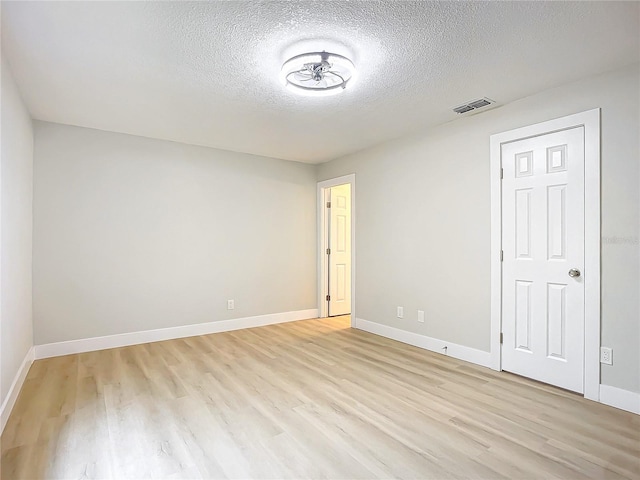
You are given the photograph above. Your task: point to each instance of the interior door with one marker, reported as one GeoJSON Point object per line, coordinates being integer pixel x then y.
{"type": "Point", "coordinates": [543, 258]}
{"type": "Point", "coordinates": [339, 252]}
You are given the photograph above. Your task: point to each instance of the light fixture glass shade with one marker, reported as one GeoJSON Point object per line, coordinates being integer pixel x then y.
{"type": "Point", "coordinates": [318, 73]}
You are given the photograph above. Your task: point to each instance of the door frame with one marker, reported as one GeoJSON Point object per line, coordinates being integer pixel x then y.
{"type": "Point", "coordinates": [322, 243]}
{"type": "Point", "coordinates": [590, 120]}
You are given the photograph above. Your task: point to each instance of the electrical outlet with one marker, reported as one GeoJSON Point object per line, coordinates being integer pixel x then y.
{"type": "Point", "coordinates": [400, 312]}
{"type": "Point", "coordinates": [421, 316]}
{"type": "Point", "coordinates": [606, 355]}
{"type": "Point", "coordinates": [230, 305]}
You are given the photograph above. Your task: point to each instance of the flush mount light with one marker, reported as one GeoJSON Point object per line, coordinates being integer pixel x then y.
{"type": "Point", "coordinates": [318, 73]}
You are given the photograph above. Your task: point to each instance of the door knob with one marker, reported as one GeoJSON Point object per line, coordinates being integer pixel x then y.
{"type": "Point", "coordinates": [574, 272]}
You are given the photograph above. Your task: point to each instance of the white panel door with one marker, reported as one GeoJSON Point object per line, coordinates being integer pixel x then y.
{"type": "Point", "coordinates": [543, 241]}
{"type": "Point", "coordinates": [340, 251]}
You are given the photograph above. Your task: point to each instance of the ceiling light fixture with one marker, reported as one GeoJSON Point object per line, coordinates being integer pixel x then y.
{"type": "Point", "coordinates": [318, 73]}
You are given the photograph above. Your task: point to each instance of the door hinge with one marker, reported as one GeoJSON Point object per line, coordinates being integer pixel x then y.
{"type": "Point", "coordinates": [501, 255]}
{"type": "Point", "coordinates": [328, 204]}
{"type": "Point", "coordinates": [501, 173]}
{"type": "Point", "coordinates": [501, 338]}
{"type": "Point", "coordinates": [328, 298]}
{"type": "Point", "coordinates": [328, 251]}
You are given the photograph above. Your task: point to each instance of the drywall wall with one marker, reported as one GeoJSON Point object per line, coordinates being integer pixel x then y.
{"type": "Point", "coordinates": [16, 186]}
{"type": "Point", "coordinates": [133, 234]}
{"type": "Point", "coordinates": [423, 220]}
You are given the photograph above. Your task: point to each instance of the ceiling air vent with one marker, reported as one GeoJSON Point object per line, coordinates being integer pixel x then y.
{"type": "Point", "coordinates": [474, 105]}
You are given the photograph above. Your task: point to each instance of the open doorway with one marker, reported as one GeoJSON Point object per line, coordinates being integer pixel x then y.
{"type": "Point", "coordinates": [336, 247]}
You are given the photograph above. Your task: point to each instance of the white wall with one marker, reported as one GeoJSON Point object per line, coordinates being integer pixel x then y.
{"type": "Point", "coordinates": [16, 186]}
{"type": "Point", "coordinates": [423, 218]}
{"type": "Point", "coordinates": [132, 234]}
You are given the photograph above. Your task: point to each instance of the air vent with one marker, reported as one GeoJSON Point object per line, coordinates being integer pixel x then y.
{"type": "Point", "coordinates": [474, 105]}
{"type": "Point", "coordinates": [463, 109]}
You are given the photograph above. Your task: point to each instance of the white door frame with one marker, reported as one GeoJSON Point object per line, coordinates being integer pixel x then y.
{"type": "Point", "coordinates": [322, 243]}
{"type": "Point", "coordinates": [590, 120]}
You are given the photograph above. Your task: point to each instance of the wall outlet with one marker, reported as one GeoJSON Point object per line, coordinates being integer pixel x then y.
{"type": "Point", "coordinates": [400, 312]}
{"type": "Point", "coordinates": [606, 355]}
{"type": "Point", "coordinates": [421, 316]}
{"type": "Point", "coordinates": [230, 305]}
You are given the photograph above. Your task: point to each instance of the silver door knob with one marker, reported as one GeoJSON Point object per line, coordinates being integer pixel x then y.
{"type": "Point", "coordinates": [574, 272]}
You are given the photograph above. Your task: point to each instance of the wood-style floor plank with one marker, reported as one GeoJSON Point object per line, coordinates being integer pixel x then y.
{"type": "Point", "coordinates": [309, 399]}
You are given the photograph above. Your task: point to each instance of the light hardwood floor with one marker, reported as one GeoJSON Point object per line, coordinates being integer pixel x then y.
{"type": "Point", "coordinates": [310, 399]}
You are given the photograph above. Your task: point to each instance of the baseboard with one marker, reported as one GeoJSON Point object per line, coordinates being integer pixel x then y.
{"type": "Point", "coordinates": [147, 336]}
{"type": "Point", "coordinates": [460, 352]}
{"type": "Point", "coordinates": [16, 386]}
{"type": "Point", "coordinates": [619, 398]}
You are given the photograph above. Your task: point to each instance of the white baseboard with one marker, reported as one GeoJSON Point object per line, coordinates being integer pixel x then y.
{"type": "Point", "coordinates": [16, 386]}
{"type": "Point", "coordinates": [147, 336]}
{"type": "Point", "coordinates": [460, 352]}
{"type": "Point", "coordinates": [619, 398]}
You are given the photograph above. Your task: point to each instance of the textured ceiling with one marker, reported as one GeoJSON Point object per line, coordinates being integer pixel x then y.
{"type": "Point", "coordinates": [206, 73]}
